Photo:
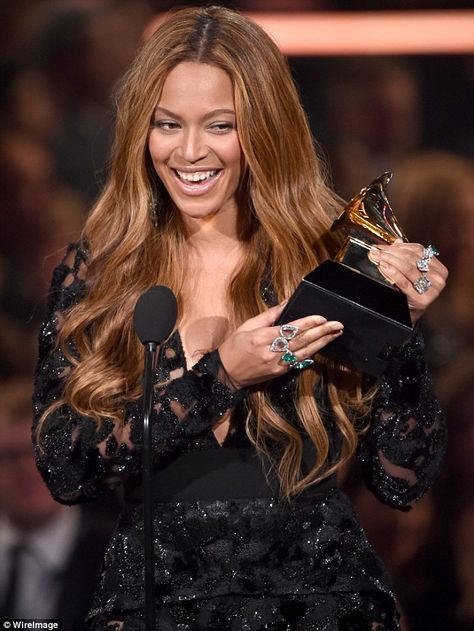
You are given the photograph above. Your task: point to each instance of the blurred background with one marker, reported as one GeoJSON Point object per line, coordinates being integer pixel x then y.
{"type": "Point", "coordinates": [410, 114]}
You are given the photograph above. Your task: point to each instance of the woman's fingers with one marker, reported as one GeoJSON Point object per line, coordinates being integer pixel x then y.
{"type": "Point", "coordinates": [313, 332]}
{"type": "Point", "coordinates": [327, 334]}
{"type": "Point", "coordinates": [398, 263]}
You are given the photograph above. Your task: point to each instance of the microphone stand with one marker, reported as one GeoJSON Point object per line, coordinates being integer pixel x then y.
{"type": "Point", "coordinates": [150, 352]}
{"type": "Point", "coordinates": [154, 318]}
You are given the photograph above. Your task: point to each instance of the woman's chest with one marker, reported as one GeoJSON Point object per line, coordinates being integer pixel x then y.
{"type": "Point", "coordinates": [206, 318]}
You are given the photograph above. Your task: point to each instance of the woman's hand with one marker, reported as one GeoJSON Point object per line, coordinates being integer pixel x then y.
{"type": "Point", "coordinates": [398, 263]}
{"type": "Point", "coordinates": [246, 354]}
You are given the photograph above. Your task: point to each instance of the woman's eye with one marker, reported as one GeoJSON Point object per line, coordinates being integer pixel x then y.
{"type": "Point", "coordinates": [165, 125]}
{"type": "Point", "coordinates": [222, 128]}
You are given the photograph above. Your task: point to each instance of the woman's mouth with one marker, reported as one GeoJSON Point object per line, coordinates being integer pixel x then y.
{"type": "Point", "coordinates": [196, 182]}
{"type": "Point", "coordinates": [196, 177]}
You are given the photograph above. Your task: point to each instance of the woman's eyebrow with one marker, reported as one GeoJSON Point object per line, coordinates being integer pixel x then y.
{"type": "Point", "coordinates": [211, 114]}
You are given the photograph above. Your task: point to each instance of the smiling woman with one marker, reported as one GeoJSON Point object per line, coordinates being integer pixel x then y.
{"type": "Point", "coordinates": [216, 191]}
{"type": "Point", "coordinates": [194, 144]}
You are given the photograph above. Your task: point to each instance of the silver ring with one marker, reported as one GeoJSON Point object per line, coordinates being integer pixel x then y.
{"type": "Point", "coordinates": [288, 331]}
{"type": "Point", "coordinates": [423, 264]}
{"type": "Point", "coordinates": [279, 345]}
{"type": "Point", "coordinates": [422, 284]}
{"type": "Point", "coordinates": [429, 252]}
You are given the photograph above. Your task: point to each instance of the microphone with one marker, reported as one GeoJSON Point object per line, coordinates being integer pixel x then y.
{"type": "Point", "coordinates": [155, 314]}
{"type": "Point", "coordinates": [154, 318]}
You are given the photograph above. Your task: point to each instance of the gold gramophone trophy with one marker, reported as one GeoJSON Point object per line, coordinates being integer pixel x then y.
{"type": "Point", "coordinates": [351, 289]}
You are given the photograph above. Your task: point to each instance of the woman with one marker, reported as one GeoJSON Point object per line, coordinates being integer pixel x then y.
{"type": "Point", "coordinates": [215, 190]}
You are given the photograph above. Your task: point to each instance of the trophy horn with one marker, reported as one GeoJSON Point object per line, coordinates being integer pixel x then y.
{"type": "Point", "coordinates": [369, 214]}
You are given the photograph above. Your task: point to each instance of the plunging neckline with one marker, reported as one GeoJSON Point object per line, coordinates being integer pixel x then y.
{"type": "Point", "coordinates": [184, 354]}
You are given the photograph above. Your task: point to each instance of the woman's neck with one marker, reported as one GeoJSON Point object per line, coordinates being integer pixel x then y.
{"type": "Point", "coordinates": [211, 246]}
{"type": "Point", "coordinates": [214, 235]}
{"type": "Point", "coordinates": [216, 252]}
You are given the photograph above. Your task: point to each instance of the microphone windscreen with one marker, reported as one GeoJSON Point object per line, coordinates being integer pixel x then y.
{"type": "Point", "coordinates": [155, 314]}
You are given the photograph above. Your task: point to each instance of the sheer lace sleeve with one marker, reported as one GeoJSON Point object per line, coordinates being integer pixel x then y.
{"type": "Point", "coordinates": [78, 460]}
{"type": "Point", "coordinates": [401, 453]}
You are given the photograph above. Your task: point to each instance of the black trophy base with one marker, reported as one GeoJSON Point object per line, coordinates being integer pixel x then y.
{"type": "Point", "coordinates": [375, 316]}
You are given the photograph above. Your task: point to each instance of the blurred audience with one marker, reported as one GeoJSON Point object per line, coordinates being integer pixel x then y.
{"type": "Point", "coordinates": [39, 214]}
{"type": "Point", "coordinates": [55, 109]}
{"type": "Point", "coordinates": [372, 108]}
{"type": "Point", "coordinates": [83, 52]}
{"type": "Point", "coordinates": [49, 553]}
{"type": "Point", "coordinates": [455, 490]}
{"type": "Point", "coordinates": [433, 197]}
{"type": "Point", "coordinates": [17, 341]}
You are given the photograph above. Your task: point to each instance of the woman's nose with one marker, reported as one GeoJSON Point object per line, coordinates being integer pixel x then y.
{"type": "Point", "coordinates": [193, 147]}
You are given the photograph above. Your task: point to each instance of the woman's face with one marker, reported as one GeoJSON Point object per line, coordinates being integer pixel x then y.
{"type": "Point", "coordinates": [193, 141]}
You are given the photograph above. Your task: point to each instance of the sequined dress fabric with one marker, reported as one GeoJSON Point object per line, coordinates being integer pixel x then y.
{"type": "Point", "coordinates": [237, 561]}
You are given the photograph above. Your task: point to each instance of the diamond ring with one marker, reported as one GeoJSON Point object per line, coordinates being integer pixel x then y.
{"type": "Point", "coordinates": [422, 284]}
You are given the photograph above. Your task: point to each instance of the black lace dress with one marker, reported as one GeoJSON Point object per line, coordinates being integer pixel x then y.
{"type": "Point", "coordinates": [229, 553]}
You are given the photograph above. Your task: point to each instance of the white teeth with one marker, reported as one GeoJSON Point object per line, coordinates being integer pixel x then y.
{"type": "Point", "coordinates": [197, 176]}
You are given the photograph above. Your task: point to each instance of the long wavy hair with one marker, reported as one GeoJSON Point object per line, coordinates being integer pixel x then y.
{"type": "Point", "coordinates": [284, 230]}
